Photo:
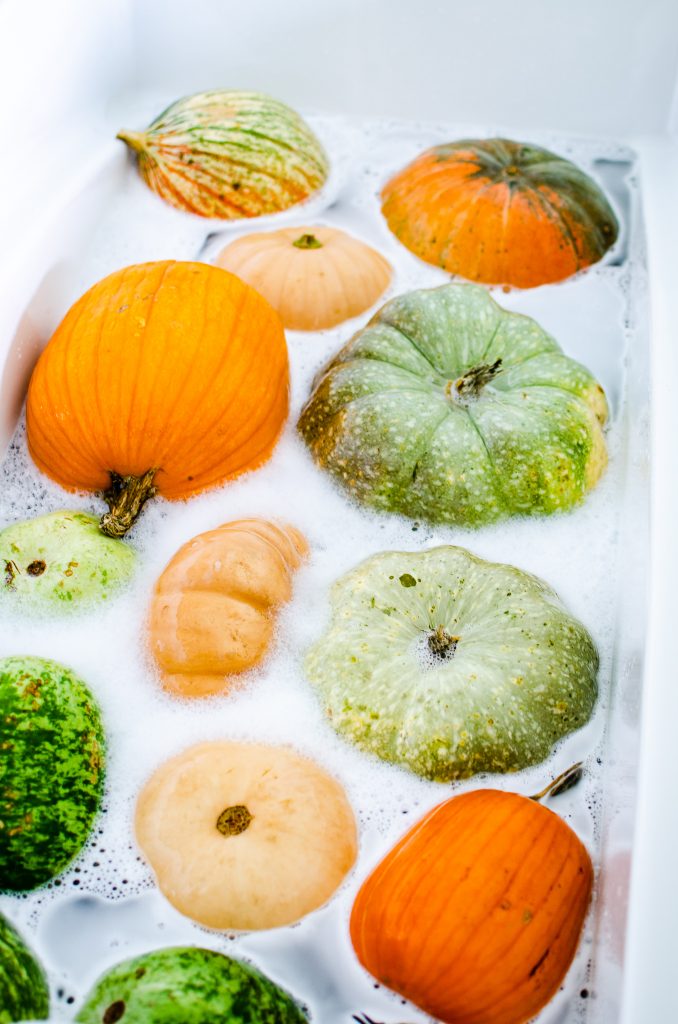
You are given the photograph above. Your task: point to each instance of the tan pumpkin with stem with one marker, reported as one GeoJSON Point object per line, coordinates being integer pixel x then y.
{"type": "Point", "coordinates": [212, 610]}
{"type": "Point", "coordinates": [245, 836]}
{"type": "Point", "coordinates": [315, 277]}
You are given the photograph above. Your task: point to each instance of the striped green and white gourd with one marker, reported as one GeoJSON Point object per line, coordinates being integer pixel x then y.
{"type": "Point", "coordinates": [230, 154]}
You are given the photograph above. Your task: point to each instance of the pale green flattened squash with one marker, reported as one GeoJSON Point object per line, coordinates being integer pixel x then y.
{"type": "Point", "coordinates": [186, 985]}
{"type": "Point", "coordinates": [61, 562]}
{"type": "Point", "coordinates": [450, 665]}
{"type": "Point", "coordinates": [448, 408]}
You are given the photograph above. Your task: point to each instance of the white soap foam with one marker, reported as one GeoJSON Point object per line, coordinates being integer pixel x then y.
{"type": "Point", "coordinates": [105, 907]}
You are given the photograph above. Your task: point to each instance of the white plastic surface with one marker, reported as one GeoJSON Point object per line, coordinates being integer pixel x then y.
{"type": "Point", "coordinates": [603, 68]}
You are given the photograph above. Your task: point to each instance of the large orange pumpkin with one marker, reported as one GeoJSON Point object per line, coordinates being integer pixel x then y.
{"type": "Point", "coordinates": [500, 212]}
{"type": "Point", "coordinates": [164, 377]}
{"type": "Point", "coordinates": [475, 915]}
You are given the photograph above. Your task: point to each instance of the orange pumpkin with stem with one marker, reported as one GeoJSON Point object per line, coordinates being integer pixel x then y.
{"type": "Point", "coordinates": [500, 212]}
{"type": "Point", "coordinates": [166, 378]}
{"type": "Point", "coordinates": [475, 915]}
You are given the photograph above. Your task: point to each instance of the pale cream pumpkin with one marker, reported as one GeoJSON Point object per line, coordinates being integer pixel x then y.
{"type": "Point", "coordinates": [315, 277]}
{"type": "Point", "coordinates": [245, 836]}
{"type": "Point", "coordinates": [212, 612]}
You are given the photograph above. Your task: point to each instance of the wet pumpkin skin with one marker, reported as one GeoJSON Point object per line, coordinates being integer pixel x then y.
{"type": "Point", "coordinates": [449, 665]}
{"type": "Point", "coordinates": [500, 212]}
{"type": "Point", "coordinates": [475, 915]}
{"type": "Point", "coordinates": [167, 377]}
{"type": "Point", "coordinates": [448, 408]}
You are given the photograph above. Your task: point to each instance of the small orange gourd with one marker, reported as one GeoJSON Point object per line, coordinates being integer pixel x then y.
{"type": "Point", "coordinates": [475, 915]}
{"type": "Point", "coordinates": [164, 377]}
{"type": "Point", "coordinates": [500, 212]}
{"type": "Point", "coordinates": [316, 277]}
{"type": "Point", "coordinates": [212, 611]}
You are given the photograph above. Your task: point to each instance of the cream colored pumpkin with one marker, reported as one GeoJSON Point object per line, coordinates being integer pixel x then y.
{"type": "Point", "coordinates": [245, 836]}
{"type": "Point", "coordinates": [212, 611]}
{"type": "Point", "coordinates": [315, 277]}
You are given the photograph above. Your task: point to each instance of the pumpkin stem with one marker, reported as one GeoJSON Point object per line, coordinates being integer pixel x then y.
{"type": "Point", "coordinates": [441, 644]}
{"type": "Point", "coordinates": [135, 140]}
{"type": "Point", "coordinates": [307, 242]}
{"type": "Point", "coordinates": [234, 820]}
{"type": "Point", "coordinates": [566, 780]}
{"type": "Point", "coordinates": [125, 498]}
{"type": "Point", "coordinates": [473, 381]}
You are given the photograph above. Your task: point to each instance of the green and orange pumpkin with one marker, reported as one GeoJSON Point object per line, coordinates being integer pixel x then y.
{"type": "Point", "coordinates": [500, 212]}
{"type": "Point", "coordinates": [229, 154]}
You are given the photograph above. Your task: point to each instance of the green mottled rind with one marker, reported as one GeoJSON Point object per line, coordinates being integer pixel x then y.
{"type": "Point", "coordinates": [522, 676]}
{"type": "Point", "coordinates": [82, 566]}
{"type": "Point", "coordinates": [187, 986]}
{"type": "Point", "coordinates": [51, 769]}
{"type": "Point", "coordinates": [582, 212]}
{"type": "Point", "coordinates": [385, 419]}
{"type": "Point", "coordinates": [24, 994]}
{"type": "Point", "coordinates": [230, 154]}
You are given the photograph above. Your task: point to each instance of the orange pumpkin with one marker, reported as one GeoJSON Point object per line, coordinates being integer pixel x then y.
{"type": "Point", "coordinates": [316, 277]}
{"type": "Point", "coordinates": [500, 212]}
{"type": "Point", "coordinates": [212, 607]}
{"type": "Point", "coordinates": [475, 915]}
{"type": "Point", "coordinates": [164, 377]}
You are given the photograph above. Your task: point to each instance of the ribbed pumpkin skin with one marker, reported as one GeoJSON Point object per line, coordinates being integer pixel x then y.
{"type": "Point", "coordinates": [316, 277]}
{"type": "Point", "coordinates": [178, 366]}
{"type": "Point", "coordinates": [212, 611]}
{"type": "Point", "coordinates": [388, 421]}
{"type": "Point", "coordinates": [519, 674]}
{"type": "Point", "coordinates": [500, 212]}
{"type": "Point", "coordinates": [475, 915]}
{"type": "Point", "coordinates": [230, 154]}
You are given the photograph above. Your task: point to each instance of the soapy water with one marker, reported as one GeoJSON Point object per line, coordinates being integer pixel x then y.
{"type": "Point", "coordinates": [105, 908]}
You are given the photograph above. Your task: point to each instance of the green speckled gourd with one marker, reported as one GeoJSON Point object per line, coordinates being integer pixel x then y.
{"type": "Point", "coordinates": [24, 994]}
{"type": "Point", "coordinates": [61, 562]}
{"type": "Point", "coordinates": [229, 154]}
{"type": "Point", "coordinates": [451, 665]}
{"type": "Point", "coordinates": [186, 985]}
{"type": "Point", "coordinates": [448, 408]}
{"type": "Point", "coordinates": [51, 769]}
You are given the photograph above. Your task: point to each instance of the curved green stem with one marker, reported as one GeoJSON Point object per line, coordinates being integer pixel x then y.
{"type": "Point", "coordinates": [473, 381]}
{"type": "Point", "coordinates": [307, 242]}
{"type": "Point", "coordinates": [135, 140]}
{"type": "Point", "coordinates": [566, 780]}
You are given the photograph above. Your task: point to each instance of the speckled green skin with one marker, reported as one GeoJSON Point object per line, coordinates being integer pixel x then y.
{"type": "Point", "coordinates": [51, 769]}
{"type": "Point", "coordinates": [386, 419]}
{"type": "Point", "coordinates": [62, 561]}
{"type": "Point", "coordinates": [185, 985]}
{"type": "Point", "coordinates": [24, 994]}
{"type": "Point", "coordinates": [523, 673]}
